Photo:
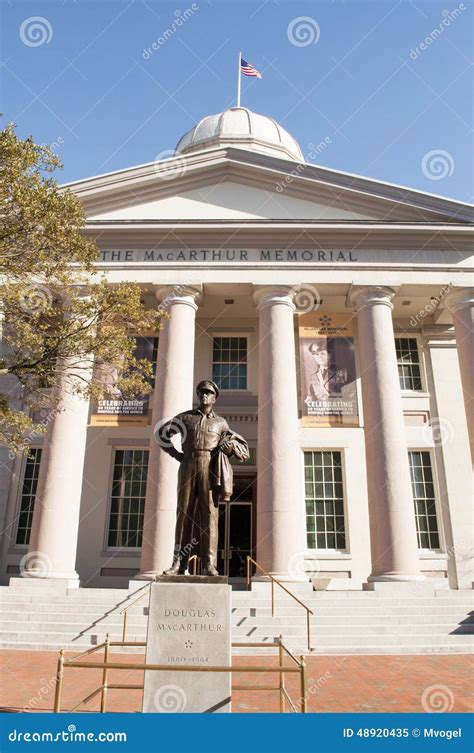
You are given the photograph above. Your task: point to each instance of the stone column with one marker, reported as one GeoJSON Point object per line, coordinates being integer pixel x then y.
{"type": "Point", "coordinates": [173, 394]}
{"type": "Point", "coordinates": [461, 304]}
{"type": "Point", "coordinates": [53, 540]}
{"type": "Point", "coordinates": [394, 546]}
{"type": "Point", "coordinates": [280, 503]}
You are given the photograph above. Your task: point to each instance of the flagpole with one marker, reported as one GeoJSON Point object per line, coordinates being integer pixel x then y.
{"type": "Point", "coordinates": [238, 81]}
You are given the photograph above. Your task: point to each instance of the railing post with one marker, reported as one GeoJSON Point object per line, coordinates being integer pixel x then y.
{"type": "Point", "coordinates": [59, 682]}
{"type": "Point", "coordinates": [103, 695]}
{"type": "Point", "coordinates": [124, 627]}
{"type": "Point", "coordinates": [304, 703]}
{"type": "Point", "coordinates": [248, 573]}
{"type": "Point", "coordinates": [308, 628]}
{"type": "Point", "coordinates": [282, 675]}
{"type": "Point", "coordinates": [273, 596]}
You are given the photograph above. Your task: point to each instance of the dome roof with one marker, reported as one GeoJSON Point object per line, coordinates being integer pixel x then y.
{"type": "Point", "coordinates": [242, 128]}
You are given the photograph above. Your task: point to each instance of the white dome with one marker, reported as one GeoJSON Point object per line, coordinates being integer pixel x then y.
{"type": "Point", "coordinates": [242, 128]}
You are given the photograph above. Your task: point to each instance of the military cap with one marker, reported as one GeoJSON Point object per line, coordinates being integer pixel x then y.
{"type": "Point", "coordinates": [208, 384]}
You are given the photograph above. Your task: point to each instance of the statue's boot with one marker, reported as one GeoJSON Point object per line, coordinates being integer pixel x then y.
{"type": "Point", "coordinates": [175, 569]}
{"type": "Point", "coordinates": [210, 569]}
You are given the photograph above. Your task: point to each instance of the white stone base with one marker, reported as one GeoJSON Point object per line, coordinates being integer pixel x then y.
{"type": "Point", "coordinates": [336, 584]}
{"type": "Point", "coordinates": [59, 585]}
{"type": "Point", "coordinates": [402, 588]}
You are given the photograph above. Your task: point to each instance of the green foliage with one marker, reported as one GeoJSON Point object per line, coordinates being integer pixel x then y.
{"type": "Point", "coordinates": [59, 317]}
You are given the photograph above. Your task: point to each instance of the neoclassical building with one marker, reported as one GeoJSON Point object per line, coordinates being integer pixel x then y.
{"type": "Point", "coordinates": [335, 313]}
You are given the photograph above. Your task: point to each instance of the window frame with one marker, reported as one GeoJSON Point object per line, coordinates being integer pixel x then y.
{"type": "Point", "coordinates": [442, 548]}
{"type": "Point", "coordinates": [421, 357]}
{"type": "Point", "coordinates": [19, 494]}
{"type": "Point", "coordinates": [329, 552]}
{"type": "Point", "coordinates": [221, 335]}
{"type": "Point", "coordinates": [131, 551]}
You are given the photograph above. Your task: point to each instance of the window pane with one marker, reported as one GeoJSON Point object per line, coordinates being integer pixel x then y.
{"type": "Point", "coordinates": [324, 501]}
{"type": "Point", "coordinates": [408, 361]}
{"type": "Point", "coordinates": [128, 503]}
{"type": "Point", "coordinates": [229, 362]}
{"type": "Point", "coordinates": [28, 495]}
{"type": "Point", "coordinates": [424, 500]}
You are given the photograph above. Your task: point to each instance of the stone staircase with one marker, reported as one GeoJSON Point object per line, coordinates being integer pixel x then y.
{"type": "Point", "coordinates": [344, 622]}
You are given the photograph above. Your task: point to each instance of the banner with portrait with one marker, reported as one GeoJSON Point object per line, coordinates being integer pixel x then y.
{"type": "Point", "coordinates": [117, 409]}
{"type": "Point", "coordinates": [327, 370]}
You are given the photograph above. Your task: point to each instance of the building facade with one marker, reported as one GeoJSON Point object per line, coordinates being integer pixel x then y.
{"type": "Point", "coordinates": [335, 312]}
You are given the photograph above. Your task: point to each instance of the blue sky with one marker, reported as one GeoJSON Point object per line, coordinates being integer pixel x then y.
{"type": "Point", "coordinates": [349, 73]}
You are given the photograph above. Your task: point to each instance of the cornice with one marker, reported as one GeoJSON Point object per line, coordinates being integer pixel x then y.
{"type": "Point", "coordinates": [439, 335]}
{"type": "Point", "coordinates": [283, 234]}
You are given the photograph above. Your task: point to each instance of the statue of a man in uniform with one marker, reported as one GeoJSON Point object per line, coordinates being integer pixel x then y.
{"type": "Point", "coordinates": [204, 478]}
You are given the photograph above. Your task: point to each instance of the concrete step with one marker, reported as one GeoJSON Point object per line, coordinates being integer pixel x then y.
{"type": "Point", "coordinates": [72, 619]}
{"type": "Point", "coordinates": [435, 624]}
{"type": "Point", "coordinates": [445, 618]}
{"type": "Point", "coordinates": [348, 603]}
{"type": "Point", "coordinates": [70, 609]}
{"type": "Point", "coordinates": [350, 650]}
{"type": "Point", "coordinates": [364, 636]}
{"type": "Point", "coordinates": [57, 646]}
{"type": "Point", "coordinates": [35, 598]}
{"type": "Point", "coordinates": [72, 592]}
{"type": "Point", "coordinates": [368, 631]}
{"type": "Point", "coordinates": [330, 616]}
{"type": "Point", "coordinates": [368, 642]}
{"type": "Point", "coordinates": [343, 622]}
{"type": "Point", "coordinates": [115, 628]}
{"type": "Point", "coordinates": [239, 601]}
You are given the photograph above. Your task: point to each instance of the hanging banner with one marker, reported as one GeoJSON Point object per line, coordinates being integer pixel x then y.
{"type": "Point", "coordinates": [118, 410]}
{"type": "Point", "coordinates": [327, 370]}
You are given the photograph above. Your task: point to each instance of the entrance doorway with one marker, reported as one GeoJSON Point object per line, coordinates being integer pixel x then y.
{"type": "Point", "coordinates": [237, 529]}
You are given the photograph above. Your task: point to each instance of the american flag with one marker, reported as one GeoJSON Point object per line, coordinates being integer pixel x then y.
{"type": "Point", "coordinates": [248, 70]}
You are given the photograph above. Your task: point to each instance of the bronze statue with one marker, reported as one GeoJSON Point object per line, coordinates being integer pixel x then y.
{"type": "Point", "coordinates": [204, 478]}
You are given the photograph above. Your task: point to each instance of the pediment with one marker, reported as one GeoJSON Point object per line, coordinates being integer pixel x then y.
{"type": "Point", "coordinates": [233, 201]}
{"type": "Point", "coordinates": [234, 184]}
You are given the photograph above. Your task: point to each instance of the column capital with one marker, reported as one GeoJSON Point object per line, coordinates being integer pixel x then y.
{"type": "Point", "coordinates": [460, 298]}
{"type": "Point", "coordinates": [269, 295]}
{"type": "Point", "coordinates": [189, 295]}
{"type": "Point", "coordinates": [360, 296]}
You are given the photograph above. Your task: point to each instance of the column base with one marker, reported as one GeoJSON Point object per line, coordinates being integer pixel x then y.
{"type": "Point", "coordinates": [416, 587]}
{"type": "Point", "coordinates": [336, 584]}
{"type": "Point", "coordinates": [396, 577]}
{"type": "Point", "coordinates": [51, 583]}
{"type": "Point", "coordinates": [148, 575]}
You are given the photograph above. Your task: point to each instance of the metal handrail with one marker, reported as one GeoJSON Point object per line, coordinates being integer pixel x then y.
{"type": "Point", "coordinates": [309, 612]}
{"type": "Point", "coordinates": [107, 665]}
{"type": "Point", "coordinates": [196, 563]}
{"type": "Point", "coordinates": [125, 610]}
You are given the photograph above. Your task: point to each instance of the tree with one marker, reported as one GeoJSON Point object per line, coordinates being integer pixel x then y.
{"type": "Point", "coordinates": [59, 317]}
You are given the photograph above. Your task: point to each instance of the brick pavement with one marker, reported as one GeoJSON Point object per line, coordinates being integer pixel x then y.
{"type": "Point", "coordinates": [335, 683]}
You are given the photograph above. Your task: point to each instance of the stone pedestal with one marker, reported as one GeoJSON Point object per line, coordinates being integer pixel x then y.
{"type": "Point", "coordinates": [188, 624]}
